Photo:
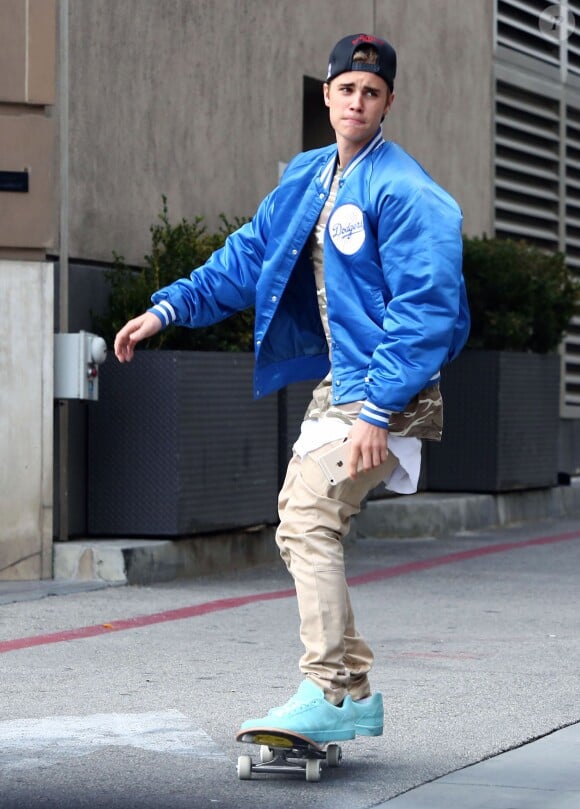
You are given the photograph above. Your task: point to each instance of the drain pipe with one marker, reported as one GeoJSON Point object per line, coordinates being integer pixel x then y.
{"type": "Point", "coordinates": [63, 276]}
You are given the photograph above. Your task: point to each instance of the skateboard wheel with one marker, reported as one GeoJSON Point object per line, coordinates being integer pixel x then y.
{"type": "Point", "coordinates": [313, 769]}
{"type": "Point", "coordinates": [333, 755]}
{"type": "Point", "coordinates": [244, 768]}
{"type": "Point", "coordinates": [266, 754]}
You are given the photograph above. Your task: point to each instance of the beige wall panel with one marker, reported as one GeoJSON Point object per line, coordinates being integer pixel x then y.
{"type": "Point", "coordinates": [26, 419]}
{"type": "Point", "coordinates": [21, 561]}
{"type": "Point", "coordinates": [13, 50]}
{"type": "Point", "coordinates": [443, 110]}
{"type": "Point", "coordinates": [27, 51]}
{"type": "Point", "coordinates": [26, 142]}
{"type": "Point", "coordinates": [195, 99]}
{"type": "Point", "coordinates": [41, 51]}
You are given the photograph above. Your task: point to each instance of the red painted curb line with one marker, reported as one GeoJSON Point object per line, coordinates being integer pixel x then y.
{"type": "Point", "coordinates": [232, 603]}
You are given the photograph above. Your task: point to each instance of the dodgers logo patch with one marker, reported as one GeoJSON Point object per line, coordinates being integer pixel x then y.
{"type": "Point", "coordinates": [346, 228]}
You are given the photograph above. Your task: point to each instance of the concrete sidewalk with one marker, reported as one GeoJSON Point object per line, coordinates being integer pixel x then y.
{"type": "Point", "coordinates": [544, 774]}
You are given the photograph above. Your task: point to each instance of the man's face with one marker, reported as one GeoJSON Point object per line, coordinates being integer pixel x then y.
{"type": "Point", "coordinates": [357, 102]}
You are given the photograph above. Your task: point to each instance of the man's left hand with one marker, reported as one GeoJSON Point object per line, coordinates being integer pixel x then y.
{"type": "Point", "coordinates": [369, 446]}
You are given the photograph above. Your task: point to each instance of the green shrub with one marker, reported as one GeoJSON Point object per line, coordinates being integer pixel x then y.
{"type": "Point", "coordinates": [521, 298]}
{"type": "Point", "coordinates": [176, 250]}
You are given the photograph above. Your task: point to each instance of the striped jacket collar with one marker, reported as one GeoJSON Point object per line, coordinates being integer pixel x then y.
{"type": "Point", "coordinates": [328, 170]}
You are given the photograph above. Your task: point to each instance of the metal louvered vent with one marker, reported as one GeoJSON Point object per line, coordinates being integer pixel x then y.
{"type": "Point", "coordinates": [571, 347]}
{"type": "Point", "coordinates": [518, 29]}
{"type": "Point", "coordinates": [527, 166]}
{"type": "Point", "coordinates": [573, 42]}
{"type": "Point", "coordinates": [541, 30]}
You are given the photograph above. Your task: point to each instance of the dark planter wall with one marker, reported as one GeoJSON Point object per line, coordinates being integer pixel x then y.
{"type": "Point", "coordinates": [569, 449]}
{"type": "Point", "coordinates": [178, 445]}
{"type": "Point", "coordinates": [501, 420]}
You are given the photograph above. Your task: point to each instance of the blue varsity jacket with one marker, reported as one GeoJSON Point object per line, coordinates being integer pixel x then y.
{"type": "Point", "coordinates": [397, 305]}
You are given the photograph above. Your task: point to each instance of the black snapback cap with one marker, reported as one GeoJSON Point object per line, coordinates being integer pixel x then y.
{"type": "Point", "coordinates": [341, 58]}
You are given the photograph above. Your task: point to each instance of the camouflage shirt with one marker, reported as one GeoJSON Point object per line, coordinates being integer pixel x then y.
{"type": "Point", "coordinates": [422, 418]}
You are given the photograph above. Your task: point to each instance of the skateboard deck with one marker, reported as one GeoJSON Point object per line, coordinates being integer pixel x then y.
{"type": "Point", "coordinates": [282, 751]}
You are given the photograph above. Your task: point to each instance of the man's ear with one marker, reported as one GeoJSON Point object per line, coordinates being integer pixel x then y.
{"type": "Point", "coordinates": [390, 99]}
{"type": "Point", "coordinates": [325, 89]}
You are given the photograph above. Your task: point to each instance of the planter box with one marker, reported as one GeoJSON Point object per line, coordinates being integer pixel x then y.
{"type": "Point", "coordinates": [501, 412]}
{"type": "Point", "coordinates": [178, 446]}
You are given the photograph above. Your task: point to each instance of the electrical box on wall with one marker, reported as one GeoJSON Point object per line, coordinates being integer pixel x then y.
{"type": "Point", "coordinates": [76, 365]}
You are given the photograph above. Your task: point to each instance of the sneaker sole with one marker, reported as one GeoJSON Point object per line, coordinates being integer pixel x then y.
{"type": "Point", "coordinates": [336, 736]}
{"type": "Point", "coordinates": [361, 730]}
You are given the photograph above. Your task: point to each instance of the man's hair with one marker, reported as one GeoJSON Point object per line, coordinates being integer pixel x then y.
{"type": "Point", "coordinates": [366, 54]}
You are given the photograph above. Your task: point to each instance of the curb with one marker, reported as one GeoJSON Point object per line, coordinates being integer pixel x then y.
{"type": "Point", "coordinates": [148, 561]}
{"type": "Point", "coordinates": [434, 514]}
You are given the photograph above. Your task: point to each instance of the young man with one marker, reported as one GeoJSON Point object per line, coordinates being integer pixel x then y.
{"type": "Point", "coordinates": [353, 264]}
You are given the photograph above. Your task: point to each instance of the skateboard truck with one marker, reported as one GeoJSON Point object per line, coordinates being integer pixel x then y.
{"type": "Point", "coordinates": [285, 752]}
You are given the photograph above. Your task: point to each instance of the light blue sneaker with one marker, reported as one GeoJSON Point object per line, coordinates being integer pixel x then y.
{"type": "Point", "coordinates": [309, 713]}
{"type": "Point", "coordinates": [369, 715]}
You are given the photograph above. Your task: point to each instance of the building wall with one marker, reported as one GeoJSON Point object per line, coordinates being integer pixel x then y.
{"type": "Point", "coordinates": [27, 232]}
{"type": "Point", "coordinates": [26, 419]}
{"type": "Point", "coordinates": [201, 99]}
{"type": "Point", "coordinates": [195, 99]}
{"type": "Point", "coordinates": [27, 89]}
{"type": "Point", "coordinates": [443, 110]}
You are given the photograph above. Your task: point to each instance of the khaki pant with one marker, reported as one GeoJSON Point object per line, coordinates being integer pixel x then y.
{"type": "Point", "coordinates": [314, 519]}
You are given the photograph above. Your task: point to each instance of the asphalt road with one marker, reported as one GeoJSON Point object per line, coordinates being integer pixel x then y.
{"type": "Point", "coordinates": [130, 697]}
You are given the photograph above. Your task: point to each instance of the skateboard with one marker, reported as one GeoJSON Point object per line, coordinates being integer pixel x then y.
{"type": "Point", "coordinates": [286, 752]}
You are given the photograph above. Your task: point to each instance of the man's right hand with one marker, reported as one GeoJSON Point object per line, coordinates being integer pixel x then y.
{"type": "Point", "coordinates": [140, 328]}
